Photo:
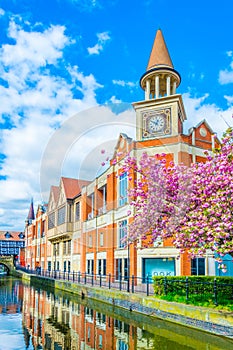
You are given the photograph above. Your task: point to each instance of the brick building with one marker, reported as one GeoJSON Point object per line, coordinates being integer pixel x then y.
{"type": "Point", "coordinates": [87, 220]}
{"type": "Point", "coordinates": [37, 248]}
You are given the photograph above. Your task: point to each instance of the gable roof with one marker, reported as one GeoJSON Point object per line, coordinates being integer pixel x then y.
{"type": "Point", "coordinates": [125, 137]}
{"type": "Point", "coordinates": [73, 187]}
{"type": "Point", "coordinates": [11, 236]}
{"type": "Point", "coordinates": [55, 192]}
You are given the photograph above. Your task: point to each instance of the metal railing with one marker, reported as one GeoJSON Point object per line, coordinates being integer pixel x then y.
{"type": "Point", "coordinates": [213, 290]}
{"type": "Point", "coordinates": [131, 284]}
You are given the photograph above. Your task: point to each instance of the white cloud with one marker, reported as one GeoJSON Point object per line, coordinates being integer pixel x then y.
{"type": "Point", "coordinates": [113, 99]}
{"type": "Point", "coordinates": [2, 12]}
{"type": "Point", "coordinates": [226, 75]}
{"type": "Point", "coordinates": [99, 46]}
{"type": "Point", "coordinates": [124, 83]}
{"type": "Point", "coordinates": [34, 99]}
{"type": "Point", "coordinates": [198, 109]}
{"type": "Point", "coordinates": [229, 99]}
{"type": "Point", "coordinates": [86, 5]}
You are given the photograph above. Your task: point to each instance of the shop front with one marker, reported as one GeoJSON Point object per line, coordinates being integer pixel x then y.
{"type": "Point", "coordinates": [158, 267]}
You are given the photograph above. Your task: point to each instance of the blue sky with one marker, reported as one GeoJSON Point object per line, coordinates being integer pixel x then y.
{"type": "Point", "coordinates": [59, 58]}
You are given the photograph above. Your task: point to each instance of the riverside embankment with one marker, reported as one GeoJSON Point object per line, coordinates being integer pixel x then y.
{"type": "Point", "coordinates": [218, 322]}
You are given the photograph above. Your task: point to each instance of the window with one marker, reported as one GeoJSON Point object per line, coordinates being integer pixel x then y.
{"type": "Point", "coordinates": [198, 266]}
{"type": "Point", "coordinates": [49, 265]}
{"type": "Point", "coordinates": [8, 235]}
{"type": "Point", "coordinates": [56, 249]}
{"type": "Point", "coordinates": [122, 233]}
{"type": "Point", "coordinates": [100, 341]}
{"type": "Point", "coordinates": [90, 266]}
{"type": "Point", "coordinates": [61, 215]}
{"type": "Point", "coordinates": [99, 267]}
{"type": "Point", "coordinates": [64, 248]}
{"type": "Point", "coordinates": [126, 269]}
{"type": "Point", "coordinates": [123, 189]}
{"type": "Point", "coordinates": [43, 229]}
{"type": "Point", "coordinates": [92, 204]}
{"type": "Point", "coordinates": [38, 230]}
{"type": "Point", "coordinates": [68, 266]}
{"type": "Point", "coordinates": [21, 235]}
{"type": "Point", "coordinates": [69, 247]}
{"type": "Point", "coordinates": [103, 196]}
{"type": "Point", "coordinates": [104, 267]}
{"type": "Point", "coordinates": [77, 211]}
{"type": "Point", "coordinates": [89, 334]}
{"type": "Point", "coordinates": [64, 264]}
{"type": "Point", "coordinates": [51, 220]}
{"type": "Point", "coordinates": [118, 268]}
{"type": "Point", "coordinates": [122, 345]}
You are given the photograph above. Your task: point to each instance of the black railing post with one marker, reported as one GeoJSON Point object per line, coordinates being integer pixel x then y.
{"type": "Point", "coordinates": [85, 278]}
{"type": "Point", "coordinates": [79, 277]}
{"type": "Point", "coordinates": [120, 281]}
{"type": "Point", "coordinates": [100, 280]}
{"type": "Point", "coordinates": [128, 284]}
{"type": "Point", "coordinates": [132, 283]}
{"type": "Point", "coordinates": [165, 285]}
{"type": "Point", "coordinates": [109, 280]}
{"type": "Point", "coordinates": [147, 285]}
{"type": "Point", "coordinates": [187, 288]}
{"type": "Point", "coordinates": [73, 276]}
{"type": "Point", "coordinates": [68, 273]}
{"type": "Point", "coordinates": [92, 279]}
{"type": "Point", "coordinates": [215, 292]}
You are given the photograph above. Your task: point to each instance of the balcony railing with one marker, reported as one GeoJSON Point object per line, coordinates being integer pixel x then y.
{"type": "Point", "coordinates": [102, 210]}
{"type": "Point", "coordinates": [90, 216]}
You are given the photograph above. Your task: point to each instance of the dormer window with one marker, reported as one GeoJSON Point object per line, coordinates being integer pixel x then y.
{"type": "Point", "coordinates": [21, 235]}
{"type": "Point", "coordinates": [8, 235]}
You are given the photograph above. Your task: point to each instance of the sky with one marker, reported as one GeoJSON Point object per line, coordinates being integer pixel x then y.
{"type": "Point", "coordinates": [69, 71]}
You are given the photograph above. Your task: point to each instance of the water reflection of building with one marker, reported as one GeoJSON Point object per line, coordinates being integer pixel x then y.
{"type": "Point", "coordinates": [11, 296]}
{"type": "Point", "coordinates": [57, 323]}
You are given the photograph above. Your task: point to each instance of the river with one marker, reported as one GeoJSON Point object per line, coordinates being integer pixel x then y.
{"type": "Point", "coordinates": [34, 318]}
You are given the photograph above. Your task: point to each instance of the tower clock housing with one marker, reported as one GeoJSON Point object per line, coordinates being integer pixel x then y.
{"type": "Point", "coordinates": [162, 112]}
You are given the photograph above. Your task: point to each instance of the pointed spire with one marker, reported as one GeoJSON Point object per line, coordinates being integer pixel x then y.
{"type": "Point", "coordinates": [160, 78]}
{"type": "Point", "coordinates": [31, 214]}
{"type": "Point", "coordinates": [159, 54]}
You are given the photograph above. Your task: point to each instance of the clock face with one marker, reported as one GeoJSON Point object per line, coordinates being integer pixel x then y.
{"type": "Point", "coordinates": [156, 123]}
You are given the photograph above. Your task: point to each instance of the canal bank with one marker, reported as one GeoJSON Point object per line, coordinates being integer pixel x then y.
{"type": "Point", "coordinates": [214, 321]}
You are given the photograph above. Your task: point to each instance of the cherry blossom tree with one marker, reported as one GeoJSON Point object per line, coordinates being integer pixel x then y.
{"type": "Point", "coordinates": [192, 205]}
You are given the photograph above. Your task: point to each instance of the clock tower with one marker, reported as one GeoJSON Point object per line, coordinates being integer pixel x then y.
{"type": "Point", "coordinates": [162, 113]}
